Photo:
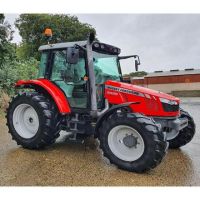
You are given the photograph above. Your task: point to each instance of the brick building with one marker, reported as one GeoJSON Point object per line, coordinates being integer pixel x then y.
{"type": "Point", "coordinates": [177, 82]}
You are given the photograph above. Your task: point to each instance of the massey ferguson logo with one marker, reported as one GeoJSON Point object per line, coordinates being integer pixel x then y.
{"type": "Point", "coordinates": [118, 89]}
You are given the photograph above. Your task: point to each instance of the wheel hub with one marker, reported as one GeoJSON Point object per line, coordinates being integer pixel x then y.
{"type": "Point", "coordinates": [25, 121]}
{"type": "Point", "coordinates": [130, 141]}
{"type": "Point", "coordinates": [126, 143]}
{"type": "Point", "coordinates": [31, 120]}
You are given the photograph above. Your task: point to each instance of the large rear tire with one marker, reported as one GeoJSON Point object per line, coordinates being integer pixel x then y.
{"type": "Point", "coordinates": [132, 142]}
{"type": "Point", "coordinates": [185, 135]}
{"type": "Point", "coordinates": [33, 120]}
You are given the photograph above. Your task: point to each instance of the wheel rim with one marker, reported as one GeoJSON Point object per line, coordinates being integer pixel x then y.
{"type": "Point", "coordinates": [25, 121]}
{"type": "Point", "coordinates": [126, 143]}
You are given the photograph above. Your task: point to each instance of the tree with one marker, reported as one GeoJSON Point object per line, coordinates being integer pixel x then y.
{"type": "Point", "coordinates": [138, 74]}
{"type": "Point", "coordinates": [7, 50]}
{"type": "Point", "coordinates": [65, 29]}
{"type": "Point", "coordinates": [14, 70]}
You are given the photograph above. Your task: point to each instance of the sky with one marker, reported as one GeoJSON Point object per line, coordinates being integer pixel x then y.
{"type": "Point", "coordinates": [163, 41]}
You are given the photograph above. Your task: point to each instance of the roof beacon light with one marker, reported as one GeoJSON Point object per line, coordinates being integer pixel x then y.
{"type": "Point", "coordinates": [48, 32]}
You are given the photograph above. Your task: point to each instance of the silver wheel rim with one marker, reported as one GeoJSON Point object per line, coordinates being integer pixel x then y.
{"type": "Point", "coordinates": [119, 138]}
{"type": "Point", "coordinates": [25, 121]}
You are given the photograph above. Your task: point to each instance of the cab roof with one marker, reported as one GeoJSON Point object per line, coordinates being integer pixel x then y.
{"type": "Point", "coordinates": [97, 46]}
{"type": "Point", "coordinates": [62, 45]}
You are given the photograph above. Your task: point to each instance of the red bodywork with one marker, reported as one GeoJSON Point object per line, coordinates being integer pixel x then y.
{"type": "Point", "coordinates": [55, 92]}
{"type": "Point", "coordinates": [150, 105]}
{"type": "Point", "coordinates": [115, 93]}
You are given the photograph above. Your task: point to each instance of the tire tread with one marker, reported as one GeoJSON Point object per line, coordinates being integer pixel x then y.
{"type": "Point", "coordinates": [50, 127]}
{"type": "Point", "coordinates": [159, 142]}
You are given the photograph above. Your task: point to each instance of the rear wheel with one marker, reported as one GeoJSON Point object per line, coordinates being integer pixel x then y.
{"type": "Point", "coordinates": [33, 120]}
{"type": "Point", "coordinates": [185, 135]}
{"type": "Point", "coordinates": [132, 142]}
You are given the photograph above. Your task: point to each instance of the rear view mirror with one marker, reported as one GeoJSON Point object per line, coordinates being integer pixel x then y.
{"type": "Point", "coordinates": [136, 65]}
{"type": "Point", "coordinates": [72, 55]}
{"type": "Point", "coordinates": [137, 62]}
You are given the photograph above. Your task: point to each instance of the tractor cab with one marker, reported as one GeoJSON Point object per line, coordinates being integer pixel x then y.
{"type": "Point", "coordinates": [68, 66]}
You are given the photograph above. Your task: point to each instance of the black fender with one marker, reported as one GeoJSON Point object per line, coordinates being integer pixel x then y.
{"type": "Point", "coordinates": [109, 112]}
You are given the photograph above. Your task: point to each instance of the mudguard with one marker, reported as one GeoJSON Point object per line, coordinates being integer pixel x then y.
{"type": "Point", "coordinates": [109, 112]}
{"type": "Point", "coordinates": [55, 92]}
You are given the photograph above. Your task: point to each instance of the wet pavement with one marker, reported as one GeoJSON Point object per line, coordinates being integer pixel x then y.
{"type": "Point", "coordinates": [65, 164]}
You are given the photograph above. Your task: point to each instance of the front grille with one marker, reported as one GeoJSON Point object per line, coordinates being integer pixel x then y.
{"type": "Point", "coordinates": [170, 108]}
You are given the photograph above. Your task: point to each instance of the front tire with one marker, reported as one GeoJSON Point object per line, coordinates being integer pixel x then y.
{"type": "Point", "coordinates": [33, 120]}
{"type": "Point", "coordinates": [132, 141]}
{"type": "Point", "coordinates": [185, 135]}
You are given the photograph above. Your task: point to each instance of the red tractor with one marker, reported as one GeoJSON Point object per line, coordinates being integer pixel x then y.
{"type": "Point", "coordinates": [80, 89]}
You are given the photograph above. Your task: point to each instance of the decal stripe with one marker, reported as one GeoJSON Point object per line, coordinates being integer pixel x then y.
{"type": "Point", "coordinates": [118, 89]}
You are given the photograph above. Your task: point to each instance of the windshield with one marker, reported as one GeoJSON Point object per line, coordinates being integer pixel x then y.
{"type": "Point", "coordinates": [105, 67]}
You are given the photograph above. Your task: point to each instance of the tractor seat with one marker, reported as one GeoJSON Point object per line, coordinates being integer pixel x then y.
{"type": "Point", "coordinates": [78, 91]}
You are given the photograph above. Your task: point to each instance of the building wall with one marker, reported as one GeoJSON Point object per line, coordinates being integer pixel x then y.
{"type": "Point", "coordinates": [170, 87]}
{"type": "Point", "coordinates": [190, 78]}
{"type": "Point", "coordinates": [138, 82]}
{"type": "Point", "coordinates": [187, 84]}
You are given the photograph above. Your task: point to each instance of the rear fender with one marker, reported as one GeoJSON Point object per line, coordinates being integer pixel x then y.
{"type": "Point", "coordinates": [54, 91]}
{"type": "Point", "coordinates": [109, 112]}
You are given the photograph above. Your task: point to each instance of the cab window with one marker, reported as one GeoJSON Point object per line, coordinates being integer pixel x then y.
{"type": "Point", "coordinates": [42, 65]}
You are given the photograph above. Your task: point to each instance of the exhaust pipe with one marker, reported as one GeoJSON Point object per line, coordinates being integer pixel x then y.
{"type": "Point", "coordinates": [93, 98]}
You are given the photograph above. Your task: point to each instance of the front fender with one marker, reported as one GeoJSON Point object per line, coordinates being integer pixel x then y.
{"type": "Point", "coordinates": [108, 113]}
{"type": "Point", "coordinates": [54, 91]}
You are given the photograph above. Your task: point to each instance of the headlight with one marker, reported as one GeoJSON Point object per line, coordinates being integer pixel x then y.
{"type": "Point", "coordinates": [171, 102]}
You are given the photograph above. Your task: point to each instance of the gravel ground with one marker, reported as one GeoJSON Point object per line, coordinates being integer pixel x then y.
{"type": "Point", "coordinates": [65, 164]}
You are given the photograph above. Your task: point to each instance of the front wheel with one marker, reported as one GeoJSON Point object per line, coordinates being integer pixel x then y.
{"type": "Point", "coordinates": [186, 134]}
{"type": "Point", "coordinates": [132, 141]}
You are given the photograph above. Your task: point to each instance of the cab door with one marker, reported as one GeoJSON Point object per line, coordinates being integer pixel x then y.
{"type": "Point", "coordinates": [71, 78]}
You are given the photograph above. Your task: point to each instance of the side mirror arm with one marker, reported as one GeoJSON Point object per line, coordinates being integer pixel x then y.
{"type": "Point", "coordinates": [136, 57]}
{"type": "Point", "coordinates": [131, 56]}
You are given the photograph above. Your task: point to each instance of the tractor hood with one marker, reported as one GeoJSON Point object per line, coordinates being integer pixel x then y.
{"type": "Point", "coordinates": [156, 103]}
{"type": "Point", "coordinates": [141, 90]}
